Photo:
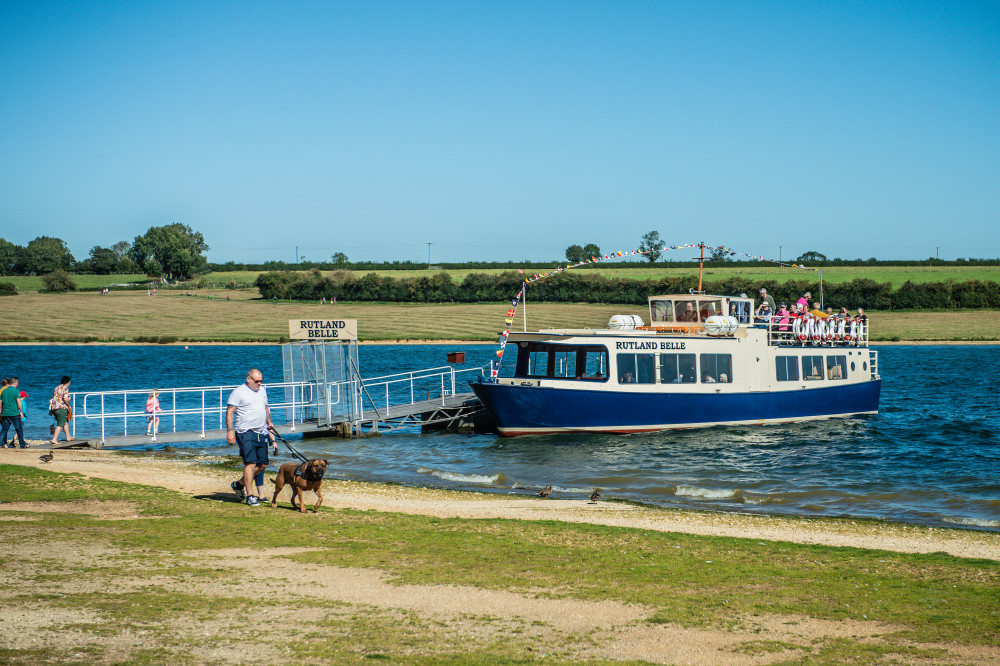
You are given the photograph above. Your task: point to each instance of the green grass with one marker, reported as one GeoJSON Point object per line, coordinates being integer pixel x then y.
{"type": "Point", "coordinates": [694, 581]}
{"type": "Point", "coordinates": [896, 275]}
{"type": "Point", "coordinates": [131, 316]}
{"type": "Point", "coordinates": [26, 283]}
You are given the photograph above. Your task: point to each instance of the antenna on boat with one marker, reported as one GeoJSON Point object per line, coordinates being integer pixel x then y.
{"type": "Point", "coordinates": [701, 264]}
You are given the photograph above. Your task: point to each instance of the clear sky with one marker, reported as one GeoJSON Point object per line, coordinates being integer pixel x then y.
{"type": "Point", "coordinates": [504, 130]}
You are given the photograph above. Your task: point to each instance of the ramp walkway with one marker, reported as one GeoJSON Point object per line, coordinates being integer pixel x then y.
{"type": "Point", "coordinates": [422, 398]}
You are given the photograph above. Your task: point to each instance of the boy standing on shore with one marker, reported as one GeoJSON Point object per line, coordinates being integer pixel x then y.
{"type": "Point", "coordinates": [11, 411]}
{"type": "Point", "coordinates": [249, 430]}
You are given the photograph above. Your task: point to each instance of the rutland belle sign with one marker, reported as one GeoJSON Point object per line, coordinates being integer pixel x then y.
{"type": "Point", "coordinates": [322, 329]}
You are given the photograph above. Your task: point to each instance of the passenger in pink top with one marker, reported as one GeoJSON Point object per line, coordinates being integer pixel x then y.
{"type": "Point", "coordinates": [153, 408]}
{"type": "Point", "coordinates": [804, 301]}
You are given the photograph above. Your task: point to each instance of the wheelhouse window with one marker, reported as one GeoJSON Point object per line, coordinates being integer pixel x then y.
{"type": "Point", "coordinates": [787, 368]}
{"type": "Point", "coordinates": [678, 369]}
{"type": "Point", "coordinates": [812, 368]}
{"type": "Point", "coordinates": [661, 311]}
{"type": "Point", "coordinates": [711, 308]}
{"type": "Point", "coordinates": [716, 368]}
{"type": "Point", "coordinates": [636, 368]}
{"type": "Point", "coordinates": [687, 311]}
{"type": "Point", "coordinates": [556, 361]}
{"type": "Point", "coordinates": [836, 367]}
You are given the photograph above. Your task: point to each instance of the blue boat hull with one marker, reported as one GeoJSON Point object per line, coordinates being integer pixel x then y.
{"type": "Point", "coordinates": [520, 410]}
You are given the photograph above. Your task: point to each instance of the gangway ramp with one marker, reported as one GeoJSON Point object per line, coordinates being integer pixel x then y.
{"type": "Point", "coordinates": [422, 398]}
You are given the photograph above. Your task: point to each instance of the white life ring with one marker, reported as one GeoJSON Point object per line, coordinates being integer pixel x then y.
{"type": "Point", "coordinates": [841, 327]}
{"type": "Point", "coordinates": [853, 332]}
{"type": "Point", "coordinates": [798, 329]}
{"type": "Point", "coordinates": [814, 330]}
{"type": "Point", "coordinates": [829, 329]}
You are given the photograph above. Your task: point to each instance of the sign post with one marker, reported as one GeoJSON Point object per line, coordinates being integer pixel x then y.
{"type": "Point", "coordinates": [323, 329]}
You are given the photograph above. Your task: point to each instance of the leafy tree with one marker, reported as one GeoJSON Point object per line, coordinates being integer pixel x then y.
{"type": "Point", "coordinates": [8, 256]}
{"type": "Point", "coordinates": [103, 260]}
{"type": "Point", "coordinates": [174, 250]}
{"type": "Point", "coordinates": [8, 289]}
{"type": "Point", "coordinates": [58, 281]}
{"type": "Point", "coordinates": [651, 245]}
{"type": "Point", "coordinates": [811, 255]}
{"type": "Point", "coordinates": [591, 250]}
{"type": "Point", "coordinates": [46, 254]}
{"type": "Point", "coordinates": [340, 259]}
{"type": "Point", "coordinates": [125, 263]}
{"type": "Point", "coordinates": [574, 254]}
{"type": "Point", "coordinates": [720, 254]}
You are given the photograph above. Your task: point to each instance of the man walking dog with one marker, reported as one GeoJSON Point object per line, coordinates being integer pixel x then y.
{"type": "Point", "coordinates": [248, 403]}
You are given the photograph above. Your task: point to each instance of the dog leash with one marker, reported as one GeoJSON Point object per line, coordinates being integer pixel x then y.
{"type": "Point", "coordinates": [290, 447]}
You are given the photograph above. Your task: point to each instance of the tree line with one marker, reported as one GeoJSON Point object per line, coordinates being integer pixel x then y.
{"type": "Point", "coordinates": [586, 287]}
{"type": "Point", "coordinates": [172, 252]}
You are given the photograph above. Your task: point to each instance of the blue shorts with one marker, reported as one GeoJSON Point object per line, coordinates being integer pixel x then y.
{"type": "Point", "coordinates": [253, 447]}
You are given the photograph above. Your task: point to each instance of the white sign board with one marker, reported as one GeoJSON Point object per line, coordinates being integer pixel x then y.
{"type": "Point", "coordinates": [322, 329]}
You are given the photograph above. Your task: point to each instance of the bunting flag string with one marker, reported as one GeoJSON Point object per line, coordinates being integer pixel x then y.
{"type": "Point", "coordinates": [509, 320]}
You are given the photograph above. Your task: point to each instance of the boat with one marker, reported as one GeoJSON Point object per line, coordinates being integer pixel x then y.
{"type": "Point", "coordinates": [701, 361]}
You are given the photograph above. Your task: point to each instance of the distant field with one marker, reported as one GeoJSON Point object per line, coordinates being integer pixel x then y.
{"type": "Point", "coordinates": [83, 282]}
{"type": "Point", "coordinates": [128, 316]}
{"type": "Point", "coordinates": [895, 275]}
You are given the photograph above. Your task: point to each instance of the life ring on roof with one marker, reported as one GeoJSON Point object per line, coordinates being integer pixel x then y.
{"type": "Point", "coordinates": [816, 329]}
{"type": "Point", "coordinates": [841, 327]}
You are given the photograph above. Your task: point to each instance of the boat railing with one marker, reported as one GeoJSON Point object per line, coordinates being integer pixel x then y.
{"type": "Point", "coordinates": [782, 335]}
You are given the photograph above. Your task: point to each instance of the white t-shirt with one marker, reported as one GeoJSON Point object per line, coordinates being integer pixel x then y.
{"type": "Point", "coordinates": [251, 409]}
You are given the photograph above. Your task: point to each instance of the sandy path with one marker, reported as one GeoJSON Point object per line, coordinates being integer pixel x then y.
{"type": "Point", "coordinates": [191, 477]}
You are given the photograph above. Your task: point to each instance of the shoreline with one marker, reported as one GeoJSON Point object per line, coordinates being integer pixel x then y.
{"type": "Point", "coordinates": [194, 476]}
{"type": "Point", "coordinates": [221, 343]}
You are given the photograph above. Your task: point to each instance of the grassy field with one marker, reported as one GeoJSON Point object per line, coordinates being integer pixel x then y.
{"type": "Point", "coordinates": [111, 572]}
{"type": "Point", "coordinates": [895, 275]}
{"type": "Point", "coordinates": [131, 316]}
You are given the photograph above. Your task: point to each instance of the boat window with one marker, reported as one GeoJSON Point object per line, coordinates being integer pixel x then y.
{"type": "Point", "coordinates": [595, 363]}
{"type": "Point", "coordinates": [538, 363]}
{"type": "Point", "coordinates": [677, 369]}
{"type": "Point", "coordinates": [836, 367]}
{"type": "Point", "coordinates": [686, 311]}
{"type": "Point", "coordinates": [717, 368]}
{"type": "Point", "coordinates": [636, 368]}
{"type": "Point", "coordinates": [661, 311]}
{"type": "Point", "coordinates": [710, 308]}
{"type": "Point", "coordinates": [740, 310]}
{"type": "Point", "coordinates": [542, 359]}
{"type": "Point", "coordinates": [565, 363]}
{"type": "Point", "coordinates": [812, 367]}
{"type": "Point", "coordinates": [787, 368]}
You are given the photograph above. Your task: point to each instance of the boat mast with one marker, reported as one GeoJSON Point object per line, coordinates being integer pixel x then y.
{"type": "Point", "coordinates": [701, 264]}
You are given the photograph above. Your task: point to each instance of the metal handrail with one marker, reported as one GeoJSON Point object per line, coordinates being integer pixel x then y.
{"type": "Point", "coordinates": [209, 402]}
{"type": "Point", "coordinates": [302, 397]}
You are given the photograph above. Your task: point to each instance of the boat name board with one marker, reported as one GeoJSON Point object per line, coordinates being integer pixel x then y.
{"type": "Point", "coordinates": [649, 345]}
{"type": "Point", "coordinates": [322, 329]}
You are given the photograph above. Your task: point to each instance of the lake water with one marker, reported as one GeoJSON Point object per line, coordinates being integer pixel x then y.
{"type": "Point", "coordinates": [931, 456]}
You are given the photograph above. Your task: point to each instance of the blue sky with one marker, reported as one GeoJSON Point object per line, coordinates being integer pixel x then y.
{"type": "Point", "coordinates": [504, 130]}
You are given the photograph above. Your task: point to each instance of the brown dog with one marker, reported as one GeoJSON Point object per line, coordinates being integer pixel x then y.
{"type": "Point", "coordinates": [301, 477]}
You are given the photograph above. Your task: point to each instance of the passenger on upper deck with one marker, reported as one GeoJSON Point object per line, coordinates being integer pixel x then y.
{"type": "Point", "coordinates": [804, 301]}
{"type": "Point", "coordinates": [782, 317]}
{"type": "Point", "coordinates": [764, 298]}
{"type": "Point", "coordinates": [689, 314]}
{"type": "Point", "coordinates": [764, 313]}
